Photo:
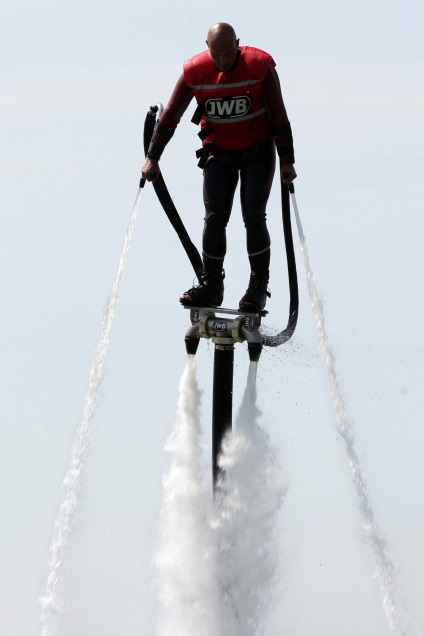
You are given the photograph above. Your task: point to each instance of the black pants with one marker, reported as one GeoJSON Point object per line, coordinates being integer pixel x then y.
{"type": "Point", "coordinates": [221, 174]}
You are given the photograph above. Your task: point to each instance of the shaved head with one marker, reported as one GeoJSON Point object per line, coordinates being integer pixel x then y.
{"type": "Point", "coordinates": [223, 45]}
{"type": "Point", "coordinates": [221, 31]}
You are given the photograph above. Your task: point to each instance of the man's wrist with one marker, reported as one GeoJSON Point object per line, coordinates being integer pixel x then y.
{"type": "Point", "coordinates": [285, 154]}
{"type": "Point", "coordinates": [155, 151]}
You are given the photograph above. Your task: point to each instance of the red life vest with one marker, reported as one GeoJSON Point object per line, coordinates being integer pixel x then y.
{"type": "Point", "coordinates": [235, 115]}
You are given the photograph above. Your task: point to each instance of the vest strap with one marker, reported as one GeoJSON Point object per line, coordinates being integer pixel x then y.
{"type": "Point", "coordinates": [205, 132]}
{"type": "Point", "coordinates": [197, 115]}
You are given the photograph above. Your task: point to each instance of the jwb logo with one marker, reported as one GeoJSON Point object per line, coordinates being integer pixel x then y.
{"type": "Point", "coordinates": [227, 107]}
{"type": "Point", "coordinates": [219, 326]}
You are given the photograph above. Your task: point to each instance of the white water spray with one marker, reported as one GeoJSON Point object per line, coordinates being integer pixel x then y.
{"type": "Point", "coordinates": [216, 561]}
{"type": "Point", "coordinates": [385, 576]}
{"type": "Point", "coordinates": [248, 501]}
{"type": "Point", "coordinates": [50, 600]}
{"type": "Point", "coordinates": [186, 557]}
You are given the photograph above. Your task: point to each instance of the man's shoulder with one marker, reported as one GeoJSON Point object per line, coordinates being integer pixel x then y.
{"type": "Point", "coordinates": [197, 66]}
{"type": "Point", "coordinates": [255, 61]}
{"type": "Point", "coordinates": [253, 53]}
{"type": "Point", "coordinates": [200, 59]}
{"type": "Point", "coordinates": [253, 50]}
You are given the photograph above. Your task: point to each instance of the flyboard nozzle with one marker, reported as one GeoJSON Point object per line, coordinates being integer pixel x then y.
{"type": "Point", "coordinates": [191, 344]}
{"type": "Point", "coordinates": [255, 350]}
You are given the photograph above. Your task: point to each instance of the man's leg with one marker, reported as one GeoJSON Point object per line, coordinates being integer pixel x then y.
{"type": "Point", "coordinates": [219, 184]}
{"type": "Point", "coordinates": [256, 181]}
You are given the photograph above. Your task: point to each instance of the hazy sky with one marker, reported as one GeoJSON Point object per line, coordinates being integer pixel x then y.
{"type": "Point", "coordinates": [76, 82]}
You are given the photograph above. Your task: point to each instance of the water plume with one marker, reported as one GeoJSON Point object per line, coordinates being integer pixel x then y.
{"type": "Point", "coordinates": [50, 601]}
{"type": "Point", "coordinates": [249, 497]}
{"type": "Point", "coordinates": [397, 621]}
{"type": "Point", "coordinates": [186, 556]}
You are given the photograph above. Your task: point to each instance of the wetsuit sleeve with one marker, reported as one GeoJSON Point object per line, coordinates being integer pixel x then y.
{"type": "Point", "coordinates": [170, 118]}
{"type": "Point", "coordinates": [278, 116]}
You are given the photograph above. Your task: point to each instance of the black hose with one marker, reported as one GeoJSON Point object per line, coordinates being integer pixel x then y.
{"type": "Point", "coordinates": [166, 201]}
{"type": "Point", "coordinates": [286, 334]}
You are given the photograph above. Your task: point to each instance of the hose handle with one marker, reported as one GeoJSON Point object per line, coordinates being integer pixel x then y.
{"type": "Point", "coordinates": [290, 185]}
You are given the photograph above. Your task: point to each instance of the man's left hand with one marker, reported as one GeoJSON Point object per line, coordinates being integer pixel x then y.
{"type": "Point", "coordinates": [287, 172]}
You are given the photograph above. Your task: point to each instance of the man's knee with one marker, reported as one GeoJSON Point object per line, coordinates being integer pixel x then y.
{"type": "Point", "coordinates": [215, 221]}
{"type": "Point", "coordinates": [255, 221]}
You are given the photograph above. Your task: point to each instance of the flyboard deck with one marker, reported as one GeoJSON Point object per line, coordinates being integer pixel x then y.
{"type": "Point", "coordinates": [225, 310]}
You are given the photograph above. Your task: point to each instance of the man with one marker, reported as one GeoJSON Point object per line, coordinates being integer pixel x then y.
{"type": "Point", "coordinates": [243, 118]}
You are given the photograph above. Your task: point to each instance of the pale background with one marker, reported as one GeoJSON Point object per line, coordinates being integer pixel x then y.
{"type": "Point", "coordinates": [76, 82]}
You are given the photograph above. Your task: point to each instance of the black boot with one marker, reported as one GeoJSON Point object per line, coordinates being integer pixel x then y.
{"type": "Point", "coordinates": [256, 294]}
{"type": "Point", "coordinates": [210, 291]}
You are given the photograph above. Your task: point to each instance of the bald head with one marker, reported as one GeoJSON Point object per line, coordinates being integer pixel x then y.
{"type": "Point", "coordinates": [221, 31]}
{"type": "Point", "coordinates": [223, 44]}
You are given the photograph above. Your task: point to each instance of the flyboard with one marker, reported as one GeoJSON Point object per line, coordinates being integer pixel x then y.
{"type": "Point", "coordinates": [226, 327]}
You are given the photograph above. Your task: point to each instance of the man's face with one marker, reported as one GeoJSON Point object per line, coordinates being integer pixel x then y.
{"type": "Point", "coordinates": [223, 53]}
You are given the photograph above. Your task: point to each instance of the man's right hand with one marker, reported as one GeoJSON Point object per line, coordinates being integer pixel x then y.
{"type": "Point", "coordinates": [150, 171]}
{"type": "Point", "coordinates": [288, 173]}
